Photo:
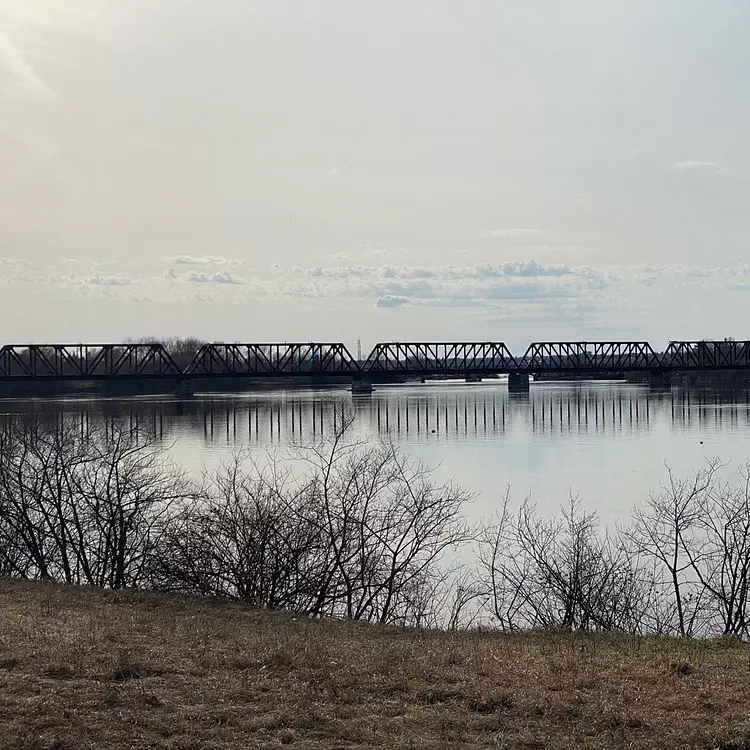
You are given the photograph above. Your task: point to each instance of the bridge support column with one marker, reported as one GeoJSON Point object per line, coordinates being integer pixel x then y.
{"type": "Point", "coordinates": [473, 378]}
{"type": "Point", "coordinates": [184, 389]}
{"type": "Point", "coordinates": [361, 385]}
{"type": "Point", "coordinates": [518, 382]}
{"type": "Point", "coordinates": [660, 380]}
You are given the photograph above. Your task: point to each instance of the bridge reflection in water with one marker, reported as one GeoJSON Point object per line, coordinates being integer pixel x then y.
{"type": "Point", "coordinates": [412, 412]}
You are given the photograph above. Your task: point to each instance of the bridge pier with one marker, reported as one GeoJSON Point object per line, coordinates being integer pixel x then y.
{"type": "Point", "coordinates": [361, 385]}
{"type": "Point", "coordinates": [660, 380]}
{"type": "Point", "coordinates": [518, 382]}
{"type": "Point", "coordinates": [184, 389]}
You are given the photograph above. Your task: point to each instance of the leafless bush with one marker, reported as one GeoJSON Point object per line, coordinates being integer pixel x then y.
{"type": "Point", "coordinates": [350, 528]}
{"type": "Point", "coordinates": [559, 572]}
{"type": "Point", "coordinates": [357, 531]}
{"type": "Point", "coordinates": [83, 508]}
{"type": "Point", "coordinates": [697, 531]}
{"type": "Point", "coordinates": [241, 538]}
{"type": "Point", "coordinates": [663, 530]}
{"type": "Point", "coordinates": [682, 567]}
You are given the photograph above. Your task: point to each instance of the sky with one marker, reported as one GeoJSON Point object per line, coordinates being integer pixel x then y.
{"type": "Point", "coordinates": [269, 170]}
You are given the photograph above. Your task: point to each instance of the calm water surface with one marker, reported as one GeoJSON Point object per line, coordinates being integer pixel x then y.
{"type": "Point", "coordinates": [606, 442]}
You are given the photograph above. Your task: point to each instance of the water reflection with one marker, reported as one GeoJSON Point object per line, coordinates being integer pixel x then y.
{"type": "Point", "coordinates": [441, 412]}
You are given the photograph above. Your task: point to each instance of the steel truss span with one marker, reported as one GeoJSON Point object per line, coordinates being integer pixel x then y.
{"type": "Point", "coordinates": [387, 361]}
{"type": "Point", "coordinates": [588, 357]}
{"type": "Point", "coordinates": [707, 355]}
{"type": "Point", "coordinates": [86, 362]}
{"type": "Point", "coordinates": [416, 359]}
{"type": "Point", "coordinates": [258, 360]}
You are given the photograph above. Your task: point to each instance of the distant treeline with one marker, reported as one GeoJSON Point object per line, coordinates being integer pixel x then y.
{"type": "Point", "coordinates": [182, 350]}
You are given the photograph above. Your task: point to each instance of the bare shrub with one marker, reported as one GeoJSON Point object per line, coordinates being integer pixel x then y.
{"type": "Point", "coordinates": [682, 567]}
{"type": "Point", "coordinates": [83, 508]}
{"type": "Point", "coordinates": [559, 572]}
{"type": "Point", "coordinates": [357, 531]}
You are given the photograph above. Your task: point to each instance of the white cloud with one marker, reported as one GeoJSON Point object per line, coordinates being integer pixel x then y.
{"type": "Point", "coordinates": [522, 268]}
{"type": "Point", "coordinates": [693, 165]}
{"type": "Point", "coordinates": [202, 260]}
{"type": "Point", "coordinates": [522, 290]}
{"type": "Point", "coordinates": [104, 280]}
{"type": "Point", "coordinates": [220, 277]}
{"type": "Point", "coordinates": [391, 300]}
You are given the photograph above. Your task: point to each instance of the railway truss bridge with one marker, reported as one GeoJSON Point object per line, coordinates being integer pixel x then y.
{"type": "Point", "coordinates": [324, 363]}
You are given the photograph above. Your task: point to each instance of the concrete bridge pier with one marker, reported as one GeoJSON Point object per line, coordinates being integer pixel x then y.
{"type": "Point", "coordinates": [660, 380]}
{"type": "Point", "coordinates": [518, 382]}
{"type": "Point", "coordinates": [361, 385]}
{"type": "Point", "coordinates": [184, 389]}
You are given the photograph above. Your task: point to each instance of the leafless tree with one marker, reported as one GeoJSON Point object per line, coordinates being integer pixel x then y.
{"type": "Point", "coordinates": [388, 523]}
{"type": "Point", "coordinates": [719, 551]}
{"type": "Point", "coordinates": [664, 529]}
{"type": "Point", "coordinates": [242, 538]}
{"type": "Point", "coordinates": [559, 572]}
{"type": "Point", "coordinates": [83, 508]}
{"type": "Point", "coordinates": [356, 530]}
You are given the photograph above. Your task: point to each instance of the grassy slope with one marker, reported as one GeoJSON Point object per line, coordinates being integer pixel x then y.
{"type": "Point", "coordinates": [85, 669]}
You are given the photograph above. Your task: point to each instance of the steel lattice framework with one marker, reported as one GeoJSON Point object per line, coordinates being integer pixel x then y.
{"type": "Point", "coordinates": [707, 355]}
{"type": "Point", "coordinates": [257, 360]}
{"type": "Point", "coordinates": [86, 362]}
{"type": "Point", "coordinates": [387, 361]}
{"type": "Point", "coordinates": [590, 356]}
{"type": "Point", "coordinates": [418, 359]}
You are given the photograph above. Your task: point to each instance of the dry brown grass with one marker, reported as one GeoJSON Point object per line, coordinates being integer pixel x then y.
{"type": "Point", "coordinates": [84, 669]}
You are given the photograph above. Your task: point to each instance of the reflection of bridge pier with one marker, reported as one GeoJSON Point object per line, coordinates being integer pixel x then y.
{"type": "Point", "coordinates": [184, 388]}
{"type": "Point", "coordinates": [440, 413]}
{"type": "Point", "coordinates": [423, 413]}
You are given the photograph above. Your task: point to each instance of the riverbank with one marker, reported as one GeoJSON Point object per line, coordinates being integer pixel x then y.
{"type": "Point", "coordinates": [85, 669]}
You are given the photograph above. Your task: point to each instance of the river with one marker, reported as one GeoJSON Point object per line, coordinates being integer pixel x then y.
{"type": "Point", "coordinates": [608, 443]}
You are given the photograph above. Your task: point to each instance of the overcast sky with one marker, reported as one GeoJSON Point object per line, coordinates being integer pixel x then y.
{"type": "Point", "coordinates": [333, 170]}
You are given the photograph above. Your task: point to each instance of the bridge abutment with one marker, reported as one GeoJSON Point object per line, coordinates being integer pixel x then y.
{"type": "Point", "coordinates": [518, 382]}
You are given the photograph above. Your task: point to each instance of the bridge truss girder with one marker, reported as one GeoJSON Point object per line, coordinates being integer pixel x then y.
{"type": "Point", "coordinates": [590, 357]}
{"type": "Point", "coordinates": [386, 361]}
{"type": "Point", "coordinates": [707, 355]}
{"type": "Point", "coordinates": [257, 360]}
{"type": "Point", "coordinates": [440, 358]}
{"type": "Point", "coordinates": [86, 362]}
